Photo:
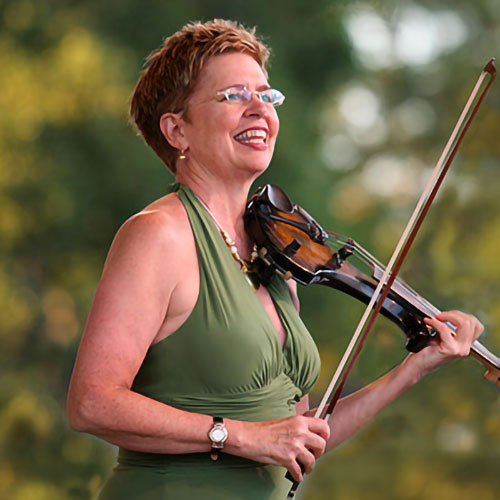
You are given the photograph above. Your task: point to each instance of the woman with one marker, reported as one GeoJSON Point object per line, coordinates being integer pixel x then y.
{"type": "Point", "coordinates": [181, 361]}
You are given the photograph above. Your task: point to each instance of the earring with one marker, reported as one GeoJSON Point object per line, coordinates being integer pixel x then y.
{"type": "Point", "coordinates": [182, 156]}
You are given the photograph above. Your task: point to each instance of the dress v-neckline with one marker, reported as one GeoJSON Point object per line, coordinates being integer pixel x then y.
{"type": "Point", "coordinates": [279, 310]}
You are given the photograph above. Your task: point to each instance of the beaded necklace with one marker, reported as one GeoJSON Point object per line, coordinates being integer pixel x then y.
{"type": "Point", "coordinates": [245, 266]}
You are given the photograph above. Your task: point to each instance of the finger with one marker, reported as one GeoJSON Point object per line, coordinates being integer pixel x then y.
{"type": "Point", "coordinates": [453, 316]}
{"type": "Point", "coordinates": [445, 334]}
{"type": "Point", "coordinates": [319, 426]}
{"type": "Point", "coordinates": [295, 471]}
{"type": "Point", "coordinates": [460, 320]}
{"type": "Point", "coordinates": [316, 445]}
{"type": "Point", "coordinates": [307, 460]}
{"type": "Point", "coordinates": [466, 324]}
{"type": "Point", "coordinates": [454, 344]}
{"type": "Point", "coordinates": [479, 329]}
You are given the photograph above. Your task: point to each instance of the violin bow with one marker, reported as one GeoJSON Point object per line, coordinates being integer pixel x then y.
{"type": "Point", "coordinates": [402, 248]}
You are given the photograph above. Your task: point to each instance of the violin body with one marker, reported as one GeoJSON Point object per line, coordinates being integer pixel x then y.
{"type": "Point", "coordinates": [291, 243]}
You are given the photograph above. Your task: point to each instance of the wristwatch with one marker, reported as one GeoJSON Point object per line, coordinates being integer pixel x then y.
{"type": "Point", "coordinates": [217, 435]}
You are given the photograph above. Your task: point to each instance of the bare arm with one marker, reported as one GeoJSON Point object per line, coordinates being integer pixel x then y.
{"type": "Point", "coordinates": [354, 411]}
{"type": "Point", "coordinates": [129, 308]}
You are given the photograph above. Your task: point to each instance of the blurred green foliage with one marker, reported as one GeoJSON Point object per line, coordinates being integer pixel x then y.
{"type": "Point", "coordinates": [71, 171]}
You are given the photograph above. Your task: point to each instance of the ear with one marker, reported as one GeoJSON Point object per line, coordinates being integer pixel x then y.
{"type": "Point", "coordinates": [171, 126]}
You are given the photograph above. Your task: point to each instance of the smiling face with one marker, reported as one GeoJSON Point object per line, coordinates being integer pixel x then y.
{"type": "Point", "coordinates": [230, 138]}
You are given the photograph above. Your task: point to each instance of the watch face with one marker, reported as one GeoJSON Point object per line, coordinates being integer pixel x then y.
{"type": "Point", "coordinates": [218, 435]}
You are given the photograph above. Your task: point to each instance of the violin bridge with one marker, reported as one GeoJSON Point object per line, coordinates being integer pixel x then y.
{"type": "Point", "coordinates": [343, 254]}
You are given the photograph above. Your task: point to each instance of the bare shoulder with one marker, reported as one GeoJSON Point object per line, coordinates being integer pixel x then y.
{"type": "Point", "coordinates": [161, 226]}
{"type": "Point", "coordinates": [159, 237]}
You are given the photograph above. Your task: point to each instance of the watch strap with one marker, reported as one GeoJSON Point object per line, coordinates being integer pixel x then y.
{"type": "Point", "coordinates": [216, 446]}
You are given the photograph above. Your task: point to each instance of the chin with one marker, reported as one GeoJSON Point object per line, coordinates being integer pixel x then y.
{"type": "Point", "coordinates": [257, 168]}
{"type": "Point", "coordinates": [252, 165]}
{"type": "Point", "coordinates": [259, 164]}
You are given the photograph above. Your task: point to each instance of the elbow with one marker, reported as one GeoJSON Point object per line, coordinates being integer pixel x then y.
{"type": "Point", "coordinates": [81, 413]}
{"type": "Point", "coordinates": [77, 417]}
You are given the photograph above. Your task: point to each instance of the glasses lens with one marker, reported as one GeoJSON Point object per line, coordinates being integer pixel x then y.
{"type": "Point", "coordinates": [277, 97]}
{"type": "Point", "coordinates": [237, 94]}
{"type": "Point", "coordinates": [266, 96]}
{"type": "Point", "coordinates": [271, 96]}
{"type": "Point", "coordinates": [279, 199]}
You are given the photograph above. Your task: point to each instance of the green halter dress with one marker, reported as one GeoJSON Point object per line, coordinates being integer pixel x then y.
{"type": "Point", "coordinates": [225, 360]}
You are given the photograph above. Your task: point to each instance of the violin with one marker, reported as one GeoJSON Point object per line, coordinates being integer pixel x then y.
{"type": "Point", "coordinates": [292, 244]}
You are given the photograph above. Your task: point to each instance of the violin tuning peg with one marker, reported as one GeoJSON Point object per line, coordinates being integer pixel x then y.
{"type": "Point", "coordinates": [287, 275]}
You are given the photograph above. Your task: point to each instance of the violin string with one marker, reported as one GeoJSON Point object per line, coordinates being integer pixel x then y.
{"type": "Point", "coordinates": [362, 254]}
{"type": "Point", "coordinates": [370, 260]}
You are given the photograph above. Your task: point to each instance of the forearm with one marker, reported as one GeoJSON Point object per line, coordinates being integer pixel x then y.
{"type": "Point", "coordinates": [354, 411]}
{"type": "Point", "coordinates": [135, 422]}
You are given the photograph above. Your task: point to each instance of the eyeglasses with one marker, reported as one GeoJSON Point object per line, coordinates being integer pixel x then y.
{"type": "Point", "coordinates": [241, 95]}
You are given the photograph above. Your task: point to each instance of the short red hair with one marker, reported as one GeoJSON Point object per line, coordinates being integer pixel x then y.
{"type": "Point", "coordinates": [172, 71]}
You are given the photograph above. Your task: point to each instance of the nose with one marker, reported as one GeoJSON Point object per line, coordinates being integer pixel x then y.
{"type": "Point", "coordinates": [256, 106]}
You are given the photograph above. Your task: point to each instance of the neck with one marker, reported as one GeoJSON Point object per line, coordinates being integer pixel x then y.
{"type": "Point", "coordinates": [225, 198]}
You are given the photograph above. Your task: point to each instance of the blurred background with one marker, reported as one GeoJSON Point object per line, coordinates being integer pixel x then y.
{"type": "Point", "coordinates": [373, 92]}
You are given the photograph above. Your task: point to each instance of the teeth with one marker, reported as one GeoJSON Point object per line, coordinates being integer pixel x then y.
{"type": "Point", "coordinates": [253, 135]}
